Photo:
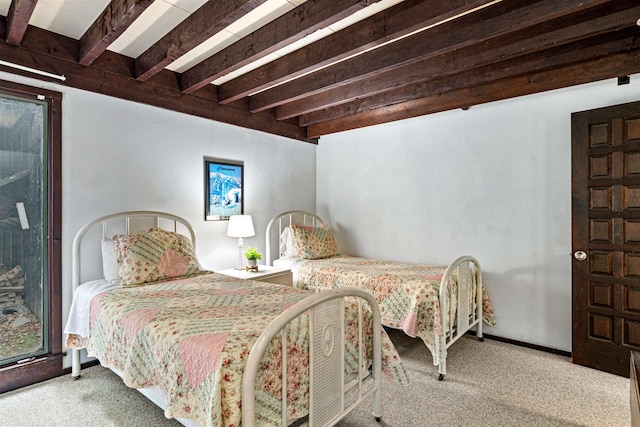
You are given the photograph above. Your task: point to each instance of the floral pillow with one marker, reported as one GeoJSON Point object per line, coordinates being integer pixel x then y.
{"type": "Point", "coordinates": [314, 242]}
{"type": "Point", "coordinates": [155, 255]}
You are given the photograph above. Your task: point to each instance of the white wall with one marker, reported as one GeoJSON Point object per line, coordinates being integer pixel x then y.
{"type": "Point", "coordinates": [493, 182]}
{"type": "Point", "coordinates": [131, 156]}
{"type": "Point", "coordinates": [119, 155]}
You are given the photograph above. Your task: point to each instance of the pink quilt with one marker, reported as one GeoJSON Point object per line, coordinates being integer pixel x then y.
{"type": "Point", "coordinates": [191, 338]}
{"type": "Point", "coordinates": [407, 293]}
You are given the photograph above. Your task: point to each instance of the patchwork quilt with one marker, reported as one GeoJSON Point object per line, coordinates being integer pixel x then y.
{"type": "Point", "coordinates": [191, 338]}
{"type": "Point", "coordinates": [407, 293]}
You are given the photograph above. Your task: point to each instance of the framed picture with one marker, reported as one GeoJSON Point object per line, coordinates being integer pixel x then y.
{"type": "Point", "coordinates": [223, 186]}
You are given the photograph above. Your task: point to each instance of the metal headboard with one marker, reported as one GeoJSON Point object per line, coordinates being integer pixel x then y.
{"type": "Point", "coordinates": [124, 221]}
{"type": "Point", "coordinates": [124, 218]}
{"type": "Point", "coordinates": [283, 220]}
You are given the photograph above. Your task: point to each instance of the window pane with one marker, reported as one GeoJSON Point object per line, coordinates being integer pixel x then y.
{"type": "Point", "coordinates": [23, 313]}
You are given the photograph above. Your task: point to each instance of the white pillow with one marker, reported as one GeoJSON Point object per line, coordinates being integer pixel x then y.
{"type": "Point", "coordinates": [287, 247]}
{"type": "Point", "coordinates": [110, 266]}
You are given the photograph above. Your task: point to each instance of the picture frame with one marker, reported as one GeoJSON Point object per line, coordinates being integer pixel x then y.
{"type": "Point", "coordinates": [224, 189]}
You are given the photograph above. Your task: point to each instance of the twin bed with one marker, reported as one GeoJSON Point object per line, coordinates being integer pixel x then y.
{"type": "Point", "coordinates": [438, 303]}
{"type": "Point", "coordinates": [214, 350]}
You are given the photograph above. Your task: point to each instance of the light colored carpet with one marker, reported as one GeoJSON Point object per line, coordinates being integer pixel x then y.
{"type": "Point", "coordinates": [492, 383]}
{"type": "Point", "coordinates": [488, 383]}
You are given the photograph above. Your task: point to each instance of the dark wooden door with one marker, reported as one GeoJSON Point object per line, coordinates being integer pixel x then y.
{"type": "Point", "coordinates": [606, 236]}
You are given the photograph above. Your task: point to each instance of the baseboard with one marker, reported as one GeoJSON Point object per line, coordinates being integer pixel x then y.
{"type": "Point", "coordinates": [524, 344]}
{"type": "Point", "coordinates": [90, 363]}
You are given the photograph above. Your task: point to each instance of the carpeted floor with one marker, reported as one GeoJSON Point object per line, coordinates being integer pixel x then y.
{"type": "Point", "coordinates": [488, 383]}
{"type": "Point", "coordinates": [492, 383]}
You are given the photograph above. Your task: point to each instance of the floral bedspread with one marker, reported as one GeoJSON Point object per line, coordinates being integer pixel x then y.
{"type": "Point", "coordinates": [191, 338]}
{"type": "Point", "coordinates": [407, 293]}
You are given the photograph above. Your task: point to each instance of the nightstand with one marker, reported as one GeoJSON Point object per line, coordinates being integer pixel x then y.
{"type": "Point", "coordinates": [264, 274]}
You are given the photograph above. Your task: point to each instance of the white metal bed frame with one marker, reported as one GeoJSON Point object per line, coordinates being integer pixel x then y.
{"type": "Point", "coordinates": [454, 326]}
{"type": "Point", "coordinates": [326, 337]}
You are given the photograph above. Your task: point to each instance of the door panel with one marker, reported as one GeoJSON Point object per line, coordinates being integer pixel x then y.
{"type": "Point", "coordinates": [606, 226]}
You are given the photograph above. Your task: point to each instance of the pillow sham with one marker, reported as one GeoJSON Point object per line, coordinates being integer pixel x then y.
{"type": "Point", "coordinates": [110, 266]}
{"type": "Point", "coordinates": [155, 255]}
{"type": "Point", "coordinates": [314, 242]}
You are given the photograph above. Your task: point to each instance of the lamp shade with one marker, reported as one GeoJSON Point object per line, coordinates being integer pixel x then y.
{"type": "Point", "coordinates": [240, 226]}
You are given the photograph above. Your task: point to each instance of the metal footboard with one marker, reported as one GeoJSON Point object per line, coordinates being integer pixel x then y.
{"type": "Point", "coordinates": [328, 383]}
{"type": "Point", "coordinates": [461, 284]}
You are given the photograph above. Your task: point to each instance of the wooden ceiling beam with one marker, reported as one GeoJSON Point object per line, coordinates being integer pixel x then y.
{"type": "Point", "coordinates": [507, 49]}
{"type": "Point", "coordinates": [494, 21]}
{"type": "Point", "coordinates": [392, 23]}
{"type": "Point", "coordinates": [529, 41]}
{"type": "Point", "coordinates": [113, 75]}
{"type": "Point", "coordinates": [609, 66]}
{"type": "Point", "coordinates": [583, 51]}
{"type": "Point", "coordinates": [18, 17]}
{"type": "Point", "coordinates": [294, 25]}
{"type": "Point", "coordinates": [112, 22]}
{"type": "Point", "coordinates": [209, 19]}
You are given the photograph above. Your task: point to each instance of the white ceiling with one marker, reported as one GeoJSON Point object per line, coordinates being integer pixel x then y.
{"type": "Point", "coordinates": [73, 17]}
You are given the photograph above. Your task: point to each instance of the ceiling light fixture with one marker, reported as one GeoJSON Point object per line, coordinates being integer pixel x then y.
{"type": "Point", "coordinates": [32, 70]}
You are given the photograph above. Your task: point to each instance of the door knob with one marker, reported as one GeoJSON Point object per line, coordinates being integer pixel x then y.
{"type": "Point", "coordinates": [580, 255]}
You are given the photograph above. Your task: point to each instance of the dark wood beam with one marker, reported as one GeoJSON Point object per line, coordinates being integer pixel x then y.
{"type": "Point", "coordinates": [294, 25]}
{"type": "Point", "coordinates": [610, 66]}
{"type": "Point", "coordinates": [527, 42]}
{"type": "Point", "coordinates": [474, 29]}
{"type": "Point", "coordinates": [397, 21]}
{"type": "Point", "coordinates": [113, 75]}
{"type": "Point", "coordinates": [20, 12]}
{"type": "Point", "coordinates": [209, 19]}
{"type": "Point", "coordinates": [583, 51]}
{"type": "Point", "coordinates": [112, 22]}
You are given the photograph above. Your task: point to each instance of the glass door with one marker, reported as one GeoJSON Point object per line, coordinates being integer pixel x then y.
{"type": "Point", "coordinates": [23, 230]}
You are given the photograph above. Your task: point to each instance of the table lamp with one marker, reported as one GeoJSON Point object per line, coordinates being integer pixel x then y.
{"type": "Point", "coordinates": [240, 226]}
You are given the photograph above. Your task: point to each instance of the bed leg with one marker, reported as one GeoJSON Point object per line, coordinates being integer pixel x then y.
{"type": "Point", "coordinates": [75, 364]}
{"type": "Point", "coordinates": [479, 332]}
{"type": "Point", "coordinates": [377, 366]}
{"type": "Point", "coordinates": [479, 328]}
{"type": "Point", "coordinates": [442, 370]}
{"type": "Point", "coordinates": [480, 308]}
